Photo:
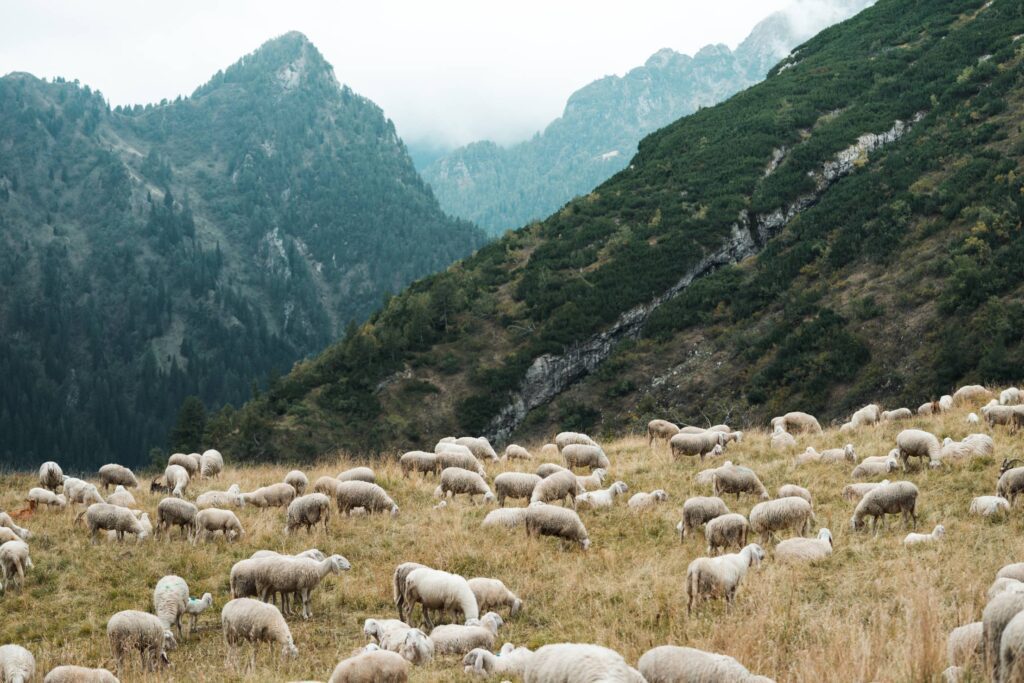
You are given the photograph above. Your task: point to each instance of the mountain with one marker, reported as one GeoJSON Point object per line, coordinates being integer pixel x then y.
{"type": "Point", "coordinates": [192, 247]}
{"type": "Point", "coordinates": [848, 230]}
{"type": "Point", "coordinates": [500, 188]}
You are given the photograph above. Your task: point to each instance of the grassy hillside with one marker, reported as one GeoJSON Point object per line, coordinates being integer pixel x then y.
{"type": "Point", "coordinates": [874, 610]}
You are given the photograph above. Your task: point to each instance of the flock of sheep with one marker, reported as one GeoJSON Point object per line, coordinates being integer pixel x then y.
{"type": "Point", "coordinates": [461, 617]}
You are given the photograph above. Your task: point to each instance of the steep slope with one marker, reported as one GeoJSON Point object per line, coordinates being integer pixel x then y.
{"type": "Point", "coordinates": [500, 188]}
{"type": "Point", "coordinates": [848, 230]}
{"type": "Point", "coordinates": [191, 247]}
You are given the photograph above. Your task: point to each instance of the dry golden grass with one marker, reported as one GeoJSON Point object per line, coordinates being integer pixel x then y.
{"type": "Point", "coordinates": [873, 611]}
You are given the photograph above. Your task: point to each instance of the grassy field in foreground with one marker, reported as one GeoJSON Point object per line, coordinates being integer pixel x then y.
{"type": "Point", "coordinates": [873, 611]}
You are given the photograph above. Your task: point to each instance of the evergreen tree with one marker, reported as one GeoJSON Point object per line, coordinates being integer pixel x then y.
{"type": "Point", "coordinates": [187, 435]}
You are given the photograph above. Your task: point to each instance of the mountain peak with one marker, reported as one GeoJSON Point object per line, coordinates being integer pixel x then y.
{"type": "Point", "coordinates": [286, 63]}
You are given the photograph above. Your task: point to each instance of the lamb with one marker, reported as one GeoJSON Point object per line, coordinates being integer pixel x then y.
{"type": "Point", "coordinates": [245, 619]}
{"type": "Point", "coordinates": [107, 517]}
{"type": "Point", "coordinates": [971, 393]}
{"type": "Point", "coordinates": [434, 589]}
{"type": "Point", "coordinates": [868, 470]}
{"type": "Point", "coordinates": [917, 443]}
{"type": "Point", "coordinates": [113, 474]}
{"type": "Point", "coordinates": [297, 480]}
{"type": "Point", "coordinates": [854, 492]}
{"type": "Point", "coordinates": [549, 468]}
{"type": "Point", "coordinates": [51, 477]}
{"type": "Point", "coordinates": [194, 608]}
{"type": "Point", "coordinates": [121, 496]}
{"type": "Point", "coordinates": [176, 512]}
{"type": "Point", "coordinates": [358, 474]}
{"type": "Point", "coordinates": [557, 487]}
{"type": "Point", "coordinates": [578, 663]}
{"type": "Point", "coordinates": [973, 419]}
{"type": "Point", "coordinates": [398, 580]}
{"type": "Point", "coordinates": [514, 485]}
{"type": "Point", "coordinates": [308, 511]}
{"type": "Point", "coordinates": [604, 498]}
{"type": "Point", "coordinates": [551, 520]}
{"type": "Point", "coordinates": [492, 593]}
{"type": "Point", "coordinates": [563, 439]}
{"type": "Point", "coordinates": [792, 490]}
{"type": "Point", "coordinates": [898, 414]}
{"type": "Point", "coordinates": [375, 666]}
{"type": "Point", "coordinates": [673, 664]}
{"type": "Point", "coordinates": [510, 659]}
{"type": "Point", "coordinates": [989, 506]}
{"type": "Point", "coordinates": [14, 561]}
{"type": "Point", "coordinates": [177, 478]}
{"type": "Point", "coordinates": [726, 530]}
{"type": "Point", "coordinates": [660, 429]}
{"type": "Point", "coordinates": [40, 496]}
{"type": "Point", "coordinates": [459, 639]}
{"type": "Point", "coordinates": [466, 461]}
{"type": "Point", "coordinates": [211, 520]}
{"type": "Point", "coordinates": [738, 480]}
{"type": "Point", "coordinates": [698, 511]}
{"type": "Point", "coordinates": [132, 630]}
{"type": "Point", "coordinates": [287, 575]}
{"type": "Point", "coordinates": [592, 481]}
{"type": "Point", "coordinates": [517, 452]}
{"type": "Point", "coordinates": [642, 501]}
{"type": "Point", "coordinates": [221, 499]}
{"type": "Point", "coordinates": [170, 599]}
{"type": "Point", "coordinates": [720, 576]}
{"type": "Point", "coordinates": [418, 461]}
{"type": "Point", "coordinates": [582, 455]}
{"type": "Point", "coordinates": [782, 440]}
{"type": "Point", "coordinates": [797, 422]}
{"type": "Point", "coordinates": [773, 516]}
{"type": "Point", "coordinates": [1011, 482]}
{"type": "Point", "coordinates": [917, 539]}
{"type": "Point", "coordinates": [17, 665]}
{"type": "Point", "coordinates": [275, 495]}
{"type": "Point", "coordinates": [507, 518]}
{"type": "Point", "coordinates": [697, 444]}
{"type": "Point", "coordinates": [964, 645]}
{"type": "Point", "coordinates": [898, 497]}
{"type": "Point", "coordinates": [455, 480]}
{"type": "Point", "coordinates": [998, 613]}
{"type": "Point", "coordinates": [805, 549]}
{"type": "Point", "coordinates": [79, 674]}
{"type": "Point", "coordinates": [211, 464]}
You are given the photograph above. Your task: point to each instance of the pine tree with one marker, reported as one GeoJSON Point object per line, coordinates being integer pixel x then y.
{"type": "Point", "coordinates": [187, 435]}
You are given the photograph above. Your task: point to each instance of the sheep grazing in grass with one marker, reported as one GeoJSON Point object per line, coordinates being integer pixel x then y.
{"type": "Point", "coordinates": [1009, 416]}
{"type": "Point", "coordinates": [719, 576]}
{"type": "Point", "coordinates": [551, 520]}
{"type": "Point", "coordinates": [578, 663]}
{"type": "Point", "coordinates": [794, 491]}
{"type": "Point", "coordinates": [170, 599]}
{"type": "Point", "coordinates": [478, 446]}
{"type": "Point", "coordinates": [510, 660]}
{"type": "Point", "coordinates": [726, 531]}
{"type": "Point", "coordinates": [563, 439]}
{"type": "Point", "coordinates": [1010, 396]}
{"type": "Point", "coordinates": [189, 462]}
{"type": "Point", "coordinates": [107, 517]}
{"type": "Point", "coordinates": [78, 491]}
{"type": "Point", "coordinates": [177, 479]}
{"type": "Point", "coordinates": [603, 498]}
{"type": "Point", "coordinates": [557, 487]}
{"type": "Point", "coordinates": [517, 452]}
{"type": "Point", "coordinates": [433, 589]}
{"type": "Point", "coordinates": [221, 499]}
{"type": "Point", "coordinates": [1011, 482]}
{"type": "Point", "coordinates": [491, 594]}
{"type": "Point", "coordinates": [639, 502]}
{"type": "Point", "coordinates": [79, 674]}
{"type": "Point", "coordinates": [547, 469]}
{"type": "Point", "coordinates": [287, 575]}
{"type": "Point", "coordinates": [703, 444]}
{"type": "Point", "coordinates": [308, 511]}
{"type": "Point", "coordinates": [805, 549]}
{"type": "Point", "coordinates": [8, 535]}
{"type": "Point", "coordinates": [504, 518]}
{"type": "Point", "coordinates": [455, 480]}
{"type": "Point", "coordinates": [297, 480]}
{"type": "Point", "coordinates": [247, 620]}
{"type": "Point", "coordinates": [1011, 650]}
{"type": "Point", "coordinates": [459, 639]}
{"type": "Point", "coordinates": [115, 475]}
{"type": "Point", "coordinates": [133, 631]}
{"type": "Point", "coordinates": [782, 440]}
{"type": "Point", "coordinates": [772, 516]}
{"type": "Point", "coordinates": [971, 393]}
{"type": "Point", "coordinates": [866, 416]}
{"type": "Point", "coordinates": [370, 497]}
{"type": "Point", "coordinates": [707, 477]}
{"type": "Point", "coordinates": [796, 422]}
{"type": "Point", "coordinates": [577, 456]}
{"type": "Point", "coordinates": [874, 468]}
{"type": "Point", "coordinates": [660, 429]}
{"type": "Point", "coordinates": [121, 496]}
{"type": "Point", "coordinates": [899, 497]}
{"type": "Point", "coordinates": [14, 562]}
{"type": "Point", "coordinates": [920, 539]}
{"type": "Point", "coordinates": [916, 443]}
{"type": "Point", "coordinates": [594, 480]}
{"type": "Point", "coordinates": [1014, 570]}
{"type": "Point", "coordinates": [465, 460]}
{"type": "Point", "coordinates": [737, 480]}
{"type": "Point", "coordinates": [998, 613]}
{"type": "Point", "coordinates": [854, 492]}
{"type": "Point", "coordinates": [17, 665]}
{"type": "Point", "coordinates": [972, 446]}
{"type": "Point", "coordinates": [897, 414]}
{"type": "Point", "coordinates": [989, 506]}
{"type": "Point", "coordinates": [673, 664]}
{"type": "Point", "coordinates": [964, 645]}
{"type": "Point", "coordinates": [211, 520]}
{"type": "Point", "coordinates": [211, 464]}
{"type": "Point", "coordinates": [374, 666]}
{"type": "Point", "coordinates": [698, 511]}
{"type": "Point", "coordinates": [275, 495]}
{"type": "Point", "coordinates": [418, 461]}
{"type": "Point", "coordinates": [327, 485]}
{"type": "Point", "coordinates": [6, 521]}
{"type": "Point", "coordinates": [358, 474]}
{"type": "Point", "coordinates": [515, 485]}
{"type": "Point", "coordinates": [172, 512]}
{"type": "Point", "coordinates": [40, 496]}
{"type": "Point", "coordinates": [398, 580]}
{"type": "Point", "coordinates": [51, 477]}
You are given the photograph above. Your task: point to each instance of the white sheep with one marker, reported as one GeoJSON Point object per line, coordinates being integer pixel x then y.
{"type": "Point", "coordinates": [510, 660]}
{"type": "Point", "coordinates": [673, 664]}
{"type": "Point", "coordinates": [463, 459]}
{"type": "Point", "coordinates": [506, 518]}
{"type": "Point", "coordinates": [418, 461]}
{"type": "Point", "coordinates": [398, 579]}
{"type": "Point", "coordinates": [170, 599]}
{"type": "Point", "coordinates": [726, 530]}
{"type": "Point", "coordinates": [604, 498]}
{"type": "Point", "coordinates": [515, 485]}
{"type": "Point", "coordinates": [964, 645]}
{"type": "Point", "coordinates": [868, 470]}
{"type": "Point", "coordinates": [370, 497]}
{"type": "Point", "coordinates": [358, 474]}
{"type": "Point", "coordinates": [897, 414]}
{"type": "Point", "coordinates": [248, 620]}
{"type": "Point", "coordinates": [563, 439]}
{"type": "Point", "coordinates": [989, 506]}
{"type": "Point", "coordinates": [114, 475]}
{"type": "Point", "coordinates": [491, 594]}
{"type": "Point", "coordinates": [578, 663]}
{"type": "Point", "coordinates": [1011, 483]}
{"type": "Point", "coordinates": [14, 561]}
{"type": "Point", "coordinates": [854, 492]}
{"type": "Point", "coordinates": [971, 446]}
{"type": "Point", "coordinates": [998, 613]}
{"type": "Point", "coordinates": [517, 452]}
{"type": "Point", "coordinates": [121, 496]}
{"type": "Point", "coordinates": [107, 517]}
{"type": "Point", "coordinates": [642, 501]}
{"type": "Point", "coordinates": [546, 469]}
{"type": "Point", "coordinates": [1002, 584]}
{"type": "Point", "coordinates": [78, 491]}
{"type": "Point", "coordinates": [297, 480]}
{"type": "Point", "coordinates": [707, 477]}
{"type": "Point", "coordinates": [211, 463]}
{"type": "Point", "coordinates": [557, 487]}
{"type": "Point", "coordinates": [971, 393]}
{"type": "Point", "coordinates": [797, 421]}
{"type": "Point", "coordinates": [782, 440]}
{"type": "Point", "coordinates": [411, 643]}
{"type": "Point", "coordinates": [589, 482]}
{"type": "Point", "coordinates": [176, 512]}
{"type": "Point", "coordinates": [918, 539]}
{"type": "Point", "coordinates": [433, 589]}
{"type": "Point", "coordinates": [17, 665]}
{"type": "Point", "coordinates": [660, 429]}
{"type": "Point", "coordinates": [1011, 416]}
{"type": "Point", "coordinates": [287, 575]}
{"type": "Point", "coordinates": [898, 497]}
{"type": "Point", "coordinates": [51, 477]}
{"type": "Point", "coordinates": [79, 674]}
{"type": "Point", "coordinates": [973, 419]}
{"type": "Point", "coordinates": [549, 450]}
{"type": "Point", "coordinates": [805, 549]}
{"type": "Point", "coordinates": [7, 522]}
{"type": "Point", "coordinates": [866, 416]}
{"type": "Point", "coordinates": [455, 480]}
{"type": "Point", "coordinates": [141, 632]}
{"type": "Point", "coordinates": [1010, 396]}
{"type": "Point", "coordinates": [720, 576]}
{"type": "Point", "coordinates": [794, 491]}
{"type": "Point", "coordinates": [1011, 650]}
{"type": "Point", "coordinates": [550, 520]}
{"type": "Point", "coordinates": [189, 462]}
{"type": "Point", "coordinates": [40, 496]}
{"type": "Point", "coordinates": [375, 666]}
{"type": "Point", "coordinates": [699, 510]}
{"type": "Point", "coordinates": [221, 499]}
{"type": "Point", "coordinates": [737, 479]}
{"type": "Point", "coordinates": [195, 607]}
{"type": "Point", "coordinates": [479, 446]}
{"type": "Point", "coordinates": [582, 455]}
{"type": "Point", "coordinates": [460, 639]}
{"type": "Point", "coordinates": [211, 520]}
{"type": "Point", "coordinates": [308, 511]}
{"type": "Point", "coordinates": [771, 516]}
{"type": "Point", "coordinates": [275, 495]}
{"type": "Point", "coordinates": [1014, 570]}
{"type": "Point", "coordinates": [917, 443]}
{"type": "Point", "coordinates": [177, 479]}
{"type": "Point", "coordinates": [702, 444]}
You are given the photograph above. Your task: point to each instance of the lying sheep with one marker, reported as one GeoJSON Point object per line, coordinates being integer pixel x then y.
{"type": "Point", "coordinates": [660, 429]}
{"type": "Point", "coordinates": [604, 498]}
{"type": "Point", "coordinates": [964, 645]}
{"type": "Point", "coordinates": [455, 480]}
{"type": "Point", "coordinates": [517, 452]}
{"type": "Point", "coordinates": [121, 496]}
{"type": "Point", "coordinates": [642, 501]}
{"type": "Point", "coordinates": [176, 512]}
{"type": "Point", "coordinates": [989, 506]}
{"type": "Point", "coordinates": [14, 562]}
{"type": "Point", "coordinates": [211, 464]}
{"type": "Point", "coordinates": [114, 475]}
{"type": "Point", "coordinates": [170, 598]}
{"type": "Point", "coordinates": [794, 491]}
{"type": "Point", "coordinates": [772, 516]}
{"type": "Point", "coordinates": [738, 480]}
{"type": "Point", "coordinates": [375, 666]}
{"type": "Point", "coordinates": [972, 446]}
{"type": "Point", "coordinates": [782, 440]}
{"type": "Point", "coordinates": [594, 480]}
{"type": "Point", "coordinates": [720, 576]}
{"type": "Point", "coordinates": [916, 443]}
{"type": "Point", "coordinates": [699, 510]}
{"type": "Point", "coordinates": [673, 664]}
{"type": "Point", "coordinates": [834, 455]}
{"type": "Point", "coordinates": [308, 511]}
{"type": "Point", "coordinates": [79, 674]}
{"type": "Point", "coordinates": [515, 485]}
{"type": "Point", "coordinates": [506, 518]}
{"type": "Point", "coordinates": [805, 549]}
{"type": "Point", "coordinates": [211, 520]}
{"type": "Point", "coordinates": [40, 496]}
{"type": "Point", "coordinates": [107, 517]}
{"type": "Point", "coordinates": [898, 497]}
{"type": "Point", "coordinates": [51, 477]}
{"type": "Point", "coordinates": [275, 495]}
{"type": "Point", "coordinates": [491, 594]}
{"type": "Point", "coordinates": [141, 632]}
{"type": "Point", "coordinates": [433, 589]}
{"type": "Point", "coordinates": [299, 576]}
{"type": "Point", "coordinates": [854, 492]}
{"type": "Point", "coordinates": [868, 470]}
{"type": "Point", "coordinates": [459, 639]}
{"type": "Point", "coordinates": [221, 499]}
{"type": "Point", "coordinates": [297, 480]}
{"type": "Point", "coordinates": [918, 539]}
{"type": "Point", "coordinates": [578, 663]}
{"type": "Point", "coordinates": [551, 520]}
{"type": "Point", "coordinates": [582, 455]}
{"type": "Point", "coordinates": [557, 487]}
{"type": "Point", "coordinates": [248, 620]}
{"type": "Point", "coordinates": [697, 444]}
{"type": "Point", "coordinates": [510, 660]}
{"type": "Point", "coordinates": [370, 497]}
{"type": "Point", "coordinates": [418, 461]}
{"type": "Point", "coordinates": [726, 530]}
{"type": "Point", "coordinates": [898, 414]}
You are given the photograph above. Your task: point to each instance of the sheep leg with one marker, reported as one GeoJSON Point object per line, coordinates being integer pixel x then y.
{"type": "Point", "coordinates": [307, 613]}
{"type": "Point", "coordinates": [426, 618]}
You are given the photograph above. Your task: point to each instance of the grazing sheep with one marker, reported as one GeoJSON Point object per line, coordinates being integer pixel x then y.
{"type": "Point", "coordinates": [1011, 482]}
{"type": "Point", "coordinates": [6, 521]}
{"type": "Point", "coordinates": [720, 576]}
{"type": "Point", "coordinates": [1011, 416]}
{"type": "Point", "coordinates": [794, 491]}
{"type": "Point", "coordinates": [771, 516]}
{"type": "Point", "coordinates": [660, 429]}
{"type": "Point", "coordinates": [17, 665]}
{"type": "Point", "coordinates": [51, 477]}
{"type": "Point", "coordinates": [358, 474]}
{"type": "Point", "coordinates": [916, 443]}
{"type": "Point", "coordinates": [141, 632]}
{"type": "Point", "coordinates": [8, 535]}
{"type": "Point", "coordinates": [221, 499]}
{"type": "Point", "coordinates": [642, 501]}
{"type": "Point", "coordinates": [506, 518]}
{"type": "Point", "coordinates": [170, 599]}
{"type": "Point", "coordinates": [46, 497]}
{"type": "Point", "coordinates": [578, 663]}
{"type": "Point", "coordinates": [275, 495]}
{"type": "Point", "coordinates": [211, 520]}
{"type": "Point", "coordinates": [375, 666]}
{"type": "Point", "coordinates": [898, 414]}
{"type": "Point", "coordinates": [371, 497]}
{"type": "Point", "coordinates": [114, 475]}
{"type": "Point", "coordinates": [738, 480]}
{"type": "Point", "coordinates": [459, 639]}
{"type": "Point", "coordinates": [248, 620]}
{"type": "Point", "coordinates": [466, 461]}
{"type": "Point", "coordinates": [107, 517]}
{"type": "Point", "coordinates": [805, 549]}
{"type": "Point", "coordinates": [868, 470]}
{"type": "Point", "coordinates": [551, 520]}
{"type": "Point", "coordinates": [297, 480]}
{"type": "Point", "coordinates": [189, 462]}
{"type": "Point", "coordinates": [287, 575]}
{"type": "Point", "coordinates": [973, 419]}
{"type": "Point", "coordinates": [782, 440]}
{"type": "Point", "coordinates": [583, 455]}
{"type": "Point", "coordinates": [673, 664]}
{"type": "Point", "coordinates": [1011, 650]}
{"type": "Point", "coordinates": [604, 498]}
{"type": "Point", "coordinates": [989, 506]}
{"type": "Point", "coordinates": [492, 593]}
{"type": "Point", "coordinates": [549, 468]}
{"type": "Point", "coordinates": [176, 512]}
{"type": "Point", "coordinates": [455, 480]}
{"type": "Point", "coordinates": [433, 589]}
{"type": "Point", "coordinates": [327, 485]}
{"type": "Point", "coordinates": [308, 511]}
{"type": "Point", "coordinates": [378, 630]}
{"type": "Point", "coordinates": [78, 491]}
{"type": "Point", "coordinates": [211, 464]}
{"type": "Point", "coordinates": [592, 481]}
{"type": "Point", "coordinates": [398, 580]}
{"type": "Point", "coordinates": [797, 422]}
{"type": "Point", "coordinates": [79, 674]}
{"type": "Point", "coordinates": [557, 487]}
{"type": "Point", "coordinates": [964, 645]}
{"type": "Point", "coordinates": [563, 439]}
{"type": "Point", "coordinates": [121, 496]}
{"type": "Point", "coordinates": [854, 492]}
{"type": "Point", "coordinates": [866, 416]}
{"type": "Point", "coordinates": [809, 455]}
{"type": "Point", "coordinates": [899, 497]}
{"type": "Point", "coordinates": [725, 531]}
{"type": "Point", "coordinates": [479, 446]}
{"type": "Point", "coordinates": [1010, 396]}
{"type": "Point", "coordinates": [971, 393]}
{"type": "Point", "coordinates": [194, 608]}
{"type": "Point", "coordinates": [917, 539]}
{"type": "Point", "coordinates": [697, 444]}
{"type": "Point", "coordinates": [517, 452]}
{"type": "Point", "coordinates": [418, 461]}
{"type": "Point", "coordinates": [707, 477]}
{"type": "Point", "coordinates": [972, 445]}
{"type": "Point", "coordinates": [994, 618]}
{"type": "Point", "coordinates": [700, 510]}
{"type": "Point", "coordinates": [177, 479]}
{"type": "Point", "coordinates": [514, 485]}
{"type": "Point", "coordinates": [510, 660]}
{"type": "Point", "coordinates": [14, 561]}
{"type": "Point", "coordinates": [1001, 585]}
{"type": "Point", "coordinates": [1014, 570]}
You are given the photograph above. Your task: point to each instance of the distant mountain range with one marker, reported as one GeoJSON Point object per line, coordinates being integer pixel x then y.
{"type": "Point", "coordinates": [500, 188]}
{"type": "Point", "coordinates": [192, 247]}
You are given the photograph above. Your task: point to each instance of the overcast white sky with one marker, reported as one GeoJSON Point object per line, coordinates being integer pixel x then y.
{"type": "Point", "coordinates": [446, 70]}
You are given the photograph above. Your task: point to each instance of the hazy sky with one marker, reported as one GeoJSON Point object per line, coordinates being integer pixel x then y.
{"type": "Point", "coordinates": [447, 70]}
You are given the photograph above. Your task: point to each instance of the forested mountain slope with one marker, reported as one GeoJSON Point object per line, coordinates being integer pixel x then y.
{"type": "Point", "coordinates": [501, 188]}
{"type": "Point", "coordinates": [192, 247]}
